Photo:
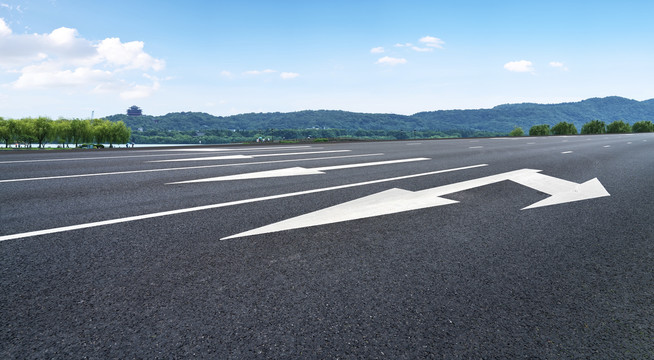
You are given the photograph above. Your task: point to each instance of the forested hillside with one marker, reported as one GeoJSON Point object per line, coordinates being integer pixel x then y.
{"type": "Point", "coordinates": [500, 119]}
{"type": "Point", "coordinates": [506, 117]}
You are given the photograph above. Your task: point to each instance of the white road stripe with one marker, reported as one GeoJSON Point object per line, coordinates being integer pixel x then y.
{"type": "Point", "coordinates": [566, 152]}
{"type": "Point", "coordinates": [186, 168]}
{"type": "Point", "coordinates": [155, 155]}
{"type": "Point", "coordinates": [375, 163]}
{"type": "Point", "coordinates": [220, 205]}
{"type": "Point", "coordinates": [267, 148]}
{"type": "Point", "coordinates": [294, 171]}
{"type": "Point", "coordinates": [229, 157]}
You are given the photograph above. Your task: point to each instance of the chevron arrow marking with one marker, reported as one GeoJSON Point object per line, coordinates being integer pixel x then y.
{"type": "Point", "coordinates": [398, 200]}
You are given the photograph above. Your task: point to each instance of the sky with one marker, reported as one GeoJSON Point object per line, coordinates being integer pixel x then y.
{"type": "Point", "coordinates": [80, 58]}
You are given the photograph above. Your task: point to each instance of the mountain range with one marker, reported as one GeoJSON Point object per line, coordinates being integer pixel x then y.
{"type": "Point", "coordinates": [502, 118]}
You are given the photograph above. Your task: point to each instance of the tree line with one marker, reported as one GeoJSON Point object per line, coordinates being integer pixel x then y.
{"type": "Point", "coordinates": [591, 127]}
{"type": "Point", "coordinates": [43, 130]}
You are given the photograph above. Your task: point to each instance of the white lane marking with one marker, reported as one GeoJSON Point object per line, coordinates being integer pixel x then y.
{"type": "Point", "coordinates": [220, 205]}
{"type": "Point", "coordinates": [230, 157]}
{"type": "Point", "coordinates": [187, 168]}
{"type": "Point", "coordinates": [414, 143]}
{"type": "Point", "coordinates": [475, 147]}
{"type": "Point", "coordinates": [560, 191]}
{"type": "Point", "coordinates": [629, 143]}
{"type": "Point", "coordinates": [294, 171]}
{"type": "Point", "coordinates": [566, 152]}
{"type": "Point", "coordinates": [151, 155]}
{"type": "Point", "coordinates": [82, 158]}
{"type": "Point", "coordinates": [268, 148]}
{"type": "Point", "coordinates": [607, 146]}
{"type": "Point", "coordinates": [398, 200]}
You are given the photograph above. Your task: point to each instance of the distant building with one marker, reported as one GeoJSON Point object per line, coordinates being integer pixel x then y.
{"type": "Point", "coordinates": [134, 111]}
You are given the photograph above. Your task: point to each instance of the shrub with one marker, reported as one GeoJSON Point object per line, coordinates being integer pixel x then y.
{"type": "Point", "coordinates": [594, 127]}
{"type": "Point", "coordinates": [618, 127]}
{"type": "Point", "coordinates": [643, 126]}
{"type": "Point", "coordinates": [539, 130]}
{"type": "Point", "coordinates": [517, 132]}
{"type": "Point", "coordinates": [564, 128]}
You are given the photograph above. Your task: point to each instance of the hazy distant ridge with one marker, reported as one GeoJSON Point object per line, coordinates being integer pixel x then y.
{"type": "Point", "coordinates": [502, 118]}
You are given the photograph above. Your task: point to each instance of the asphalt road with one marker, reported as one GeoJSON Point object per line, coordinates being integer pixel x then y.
{"type": "Point", "coordinates": [477, 276]}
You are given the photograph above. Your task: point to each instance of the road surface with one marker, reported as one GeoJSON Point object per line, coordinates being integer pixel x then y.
{"type": "Point", "coordinates": [537, 247]}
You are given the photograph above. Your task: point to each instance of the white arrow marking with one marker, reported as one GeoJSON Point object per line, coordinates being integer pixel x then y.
{"type": "Point", "coordinates": [560, 191]}
{"type": "Point", "coordinates": [386, 202]}
{"type": "Point", "coordinates": [295, 171]}
{"type": "Point", "coordinates": [221, 205]}
{"type": "Point", "coordinates": [398, 200]}
{"type": "Point", "coordinates": [230, 157]}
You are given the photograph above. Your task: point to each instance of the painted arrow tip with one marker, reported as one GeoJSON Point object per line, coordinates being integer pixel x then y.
{"type": "Point", "coordinates": [588, 190]}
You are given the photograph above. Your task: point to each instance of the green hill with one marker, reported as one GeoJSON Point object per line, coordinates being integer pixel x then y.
{"type": "Point", "coordinates": [502, 118]}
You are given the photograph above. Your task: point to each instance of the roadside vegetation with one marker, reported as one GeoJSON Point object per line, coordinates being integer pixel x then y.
{"type": "Point", "coordinates": [592, 127]}
{"type": "Point", "coordinates": [42, 130]}
{"type": "Point", "coordinates": [26, 132]}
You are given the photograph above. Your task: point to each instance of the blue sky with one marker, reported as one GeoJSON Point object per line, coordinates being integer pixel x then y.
{"type": "Point", "coordinates": [65, 58]}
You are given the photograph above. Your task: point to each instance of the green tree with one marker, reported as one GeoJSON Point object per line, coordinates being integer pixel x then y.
{"type": "Point", "coordinates": [517, 132]}
{"type": "Point", "coordinates": [25, 131]}
{"type": "Point", "coordinates": [594, 127]}
{"type": "Point", "coordinates": [101, 130]}
{"type": "Point", "coordinates": [564, 128]}
{"type": "Point", "coordinates": [5, 133]}
{"type": "Point", "coordinates": [643, 126]}
{"type": "Point", "coordinates": [14, 129]}
{"type": "Point", "coordinates": [81, 131]}
{"type": "Point", "coordinates": [41, 130]}
{"type": "Point", "coordinates": [618, 127]}
{"type": "Point", "coordinates": [539, 130]}
{"type": "Point", "coordinates": [119, 133]}
{"type": "Point", "coordinates": [63, 131]}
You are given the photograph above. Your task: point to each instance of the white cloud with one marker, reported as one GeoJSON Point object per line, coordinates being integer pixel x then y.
{"type": "Point", "coordinates": [419, 49]}
{"type": "Point", "coordinates": [226, 74]}
{"type": "Point", "coordinates": [403, 45]}
{"type": "Point", "coordinates": [377, 50]}
{"type": "Point", "coordinates": [259, 72]}
{"type": "Point", "coordinates": [63, 36]}
{"type": "Point", "coordinates": [559, 65]}
{"type": "Point", "coordinates": [139, 91]}
{"type": "Point", "coordinates": [519, 66]}
{"type": "Point", "coordinates": [433, 42]}
{"type": "Point", "coordinates": [63, 59]}
{"type": "Point", "coordinates": [127, 55]}
{"type": "Point", "coordinates": [50, 76]}
{"type": "Point", "coordinates": [387, 60]}
{"type": "Point", "coordinates": [4, 28]}
{"type": "Point", "coordinates": [288, 75]}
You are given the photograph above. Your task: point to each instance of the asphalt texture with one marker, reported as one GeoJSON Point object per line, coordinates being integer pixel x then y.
{"type": "Point", "coordinates": [477, 279]}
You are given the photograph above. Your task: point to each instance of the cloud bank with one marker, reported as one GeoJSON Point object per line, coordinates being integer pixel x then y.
{"type": "Point", "coordinates": [63, 59]}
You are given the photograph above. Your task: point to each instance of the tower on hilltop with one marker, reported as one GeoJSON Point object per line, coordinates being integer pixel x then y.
{"type": "Point", "coordinates": [134, 111]}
